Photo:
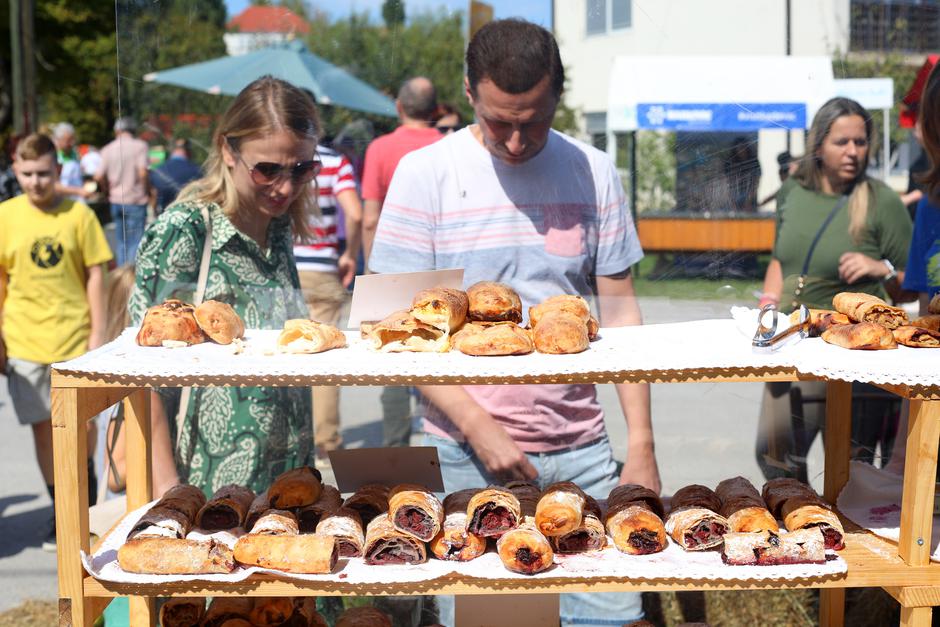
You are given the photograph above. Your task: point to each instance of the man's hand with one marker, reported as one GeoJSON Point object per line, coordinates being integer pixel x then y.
{"type": "Point", "coordinates": [346, 266]}
{"type": "Point", "coordinates": [641, 468]}
{"type": "Point", "coordinates": [499, 454]}
{"type": "Point", "coordinates": [854, 267]}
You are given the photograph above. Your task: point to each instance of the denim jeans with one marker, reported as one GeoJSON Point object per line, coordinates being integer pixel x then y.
{"type": "Point", "coordinates": [129, 222]}
{"type": "Point", "coordinates": [593, 468]}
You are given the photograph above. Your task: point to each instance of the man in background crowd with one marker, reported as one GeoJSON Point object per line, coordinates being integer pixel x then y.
{"type": "Point", "coordinates": [70, 173]}
{"type": "Point", "coordinates": [416, 106]}
{"type": "Point", "coordinates": [173, 174]}
{"type": "Point", "coordinates": [123, 172]}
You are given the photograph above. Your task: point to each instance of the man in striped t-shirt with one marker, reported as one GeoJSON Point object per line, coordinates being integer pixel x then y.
{"type": "Point", "coordinates": [508, 199]}
{"type": "Point", "coordinates": [325, 274]}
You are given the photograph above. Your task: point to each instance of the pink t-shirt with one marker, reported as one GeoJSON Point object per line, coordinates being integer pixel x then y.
{"type": "Point", "coordinates": [383, 155]}
{"type": "Point", "coordinates": [121, 162]}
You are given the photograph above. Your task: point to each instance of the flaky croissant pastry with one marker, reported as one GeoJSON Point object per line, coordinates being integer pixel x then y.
{"type": "Point", "coordinates": [454, 542]}
{"type": "Point", "coordinates": [743, 506]}
{"type": "Point", "coordinates": [917, 337]}
{"type": "Point", "coordinates": [505, 338]}
{"type": "Point", "coordinates": [309, 336]}
{"type": "Point", "coordinates": [219, 321]}
{"type": "Point", "coordinates": [492, 302]}
{"type": "Point", "coordinates": [525, 550]}
{"type": "Point", "coordinates": [560, 509]}
{"type": "Point", "coordinates": [401, 332]}
{"type": "Point", "coordinates": [173, 321]}
{"type": "Point", "coordinates": [634, 520]}
{"type": "Point", "coordinates": [930, 321]}
{"type": "Point", "coordinates": [861, 336]}
{"type": "Point", "coordinates": [443, 308]}
{"type": "Point", "coordinates": [820, 320]}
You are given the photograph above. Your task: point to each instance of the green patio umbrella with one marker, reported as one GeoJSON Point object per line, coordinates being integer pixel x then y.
{"type": "Point", "coordinates": [291, 62]}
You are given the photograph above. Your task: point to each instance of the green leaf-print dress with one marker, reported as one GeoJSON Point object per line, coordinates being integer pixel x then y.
{"type": "Point", "coordinates": [230, 435]}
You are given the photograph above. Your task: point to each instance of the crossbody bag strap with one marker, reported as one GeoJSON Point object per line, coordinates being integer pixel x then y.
{"type": "Point", "coordinates": [812, 247]}
{"type": "Point", "coordinates": [198, 297]}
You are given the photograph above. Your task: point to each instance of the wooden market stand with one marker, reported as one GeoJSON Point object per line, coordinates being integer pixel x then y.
{"type": "Point", "coordinates": [904, 570]}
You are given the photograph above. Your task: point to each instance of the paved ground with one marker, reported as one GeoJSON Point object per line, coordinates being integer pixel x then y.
{"type": "Point", "coordinates": [704, 433]}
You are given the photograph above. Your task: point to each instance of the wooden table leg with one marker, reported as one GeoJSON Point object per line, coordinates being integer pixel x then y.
{"type": "Point", "coordinates": [916, 616]}
{"type": "Point", "coordinates": [838, 446]}
{"type": "Point", "coordinates": [139, 481]}
{"type": "Point", "coordinates": [70, 450]}
{"type": "Point", "coordinates": [920, 472]}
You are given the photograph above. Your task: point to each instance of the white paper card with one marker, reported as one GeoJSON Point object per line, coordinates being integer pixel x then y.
{"type": "Point", "coordinates": [377, 295]}
{"type": "Point", "coordinates": [390, 466]}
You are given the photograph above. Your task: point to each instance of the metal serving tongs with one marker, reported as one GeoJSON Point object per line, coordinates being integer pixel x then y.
{"type": "Point", "coordinates": [766, 339]}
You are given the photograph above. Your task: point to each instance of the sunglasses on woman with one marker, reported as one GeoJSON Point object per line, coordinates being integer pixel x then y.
{"type": "Point", "coordinates": [268, 173]}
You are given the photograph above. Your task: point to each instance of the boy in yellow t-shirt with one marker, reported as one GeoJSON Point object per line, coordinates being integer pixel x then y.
{"type": "Point", "coordinates": [53, 257]}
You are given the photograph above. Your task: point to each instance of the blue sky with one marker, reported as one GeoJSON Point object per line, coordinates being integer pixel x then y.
{"type": "Point", "coordinates": [538, 11]}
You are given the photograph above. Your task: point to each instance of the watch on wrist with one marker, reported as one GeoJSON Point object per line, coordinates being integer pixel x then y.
{"type": "Point", "coordinates": [892, 272]}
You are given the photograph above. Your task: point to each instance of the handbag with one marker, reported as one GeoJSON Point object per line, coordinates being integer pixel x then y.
{"type": "Point", "coordinates": [801, 280]}
{"type": "Point", "coordinates": [198, 297]}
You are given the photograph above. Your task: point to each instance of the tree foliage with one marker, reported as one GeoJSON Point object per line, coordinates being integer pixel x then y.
{"type": "Point", "coordinates": [393, 13]}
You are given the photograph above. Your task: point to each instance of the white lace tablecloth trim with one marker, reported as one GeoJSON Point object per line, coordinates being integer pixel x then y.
{"type": "Point", "coordinates": [673, 563]}
{"type": "Point", "coordinates": [685, 348]}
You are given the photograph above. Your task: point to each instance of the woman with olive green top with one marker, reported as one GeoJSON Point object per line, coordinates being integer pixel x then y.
{"type": "Point", "coordinates": [862, 234]}
{"type": "Point", "coordinates": [800, 214]}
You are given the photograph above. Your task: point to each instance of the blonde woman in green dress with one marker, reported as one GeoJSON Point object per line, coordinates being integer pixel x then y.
{"type": "Point", "coordinates": [256, 192]}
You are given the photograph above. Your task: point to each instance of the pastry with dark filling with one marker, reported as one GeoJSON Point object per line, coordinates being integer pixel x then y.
{"type": "Point", "coordinates": [560, 509]}
{"type": "Point", "coordinates": [768, 548]}
{"type": "Point", "coordinates": [800, 507]}
{"type": "Point", "coordinates": [492, 512]}
{"type": "Point", "coordinates": [387, 545]}
{"type": "Point", "coordinates": [295, 488]}
{"type": "Point", "coordinates": [345, 525]}
{"type": "Point", "coordinates": [369, 501]}
{"type": "Point", "coordinates": [454, 542]}
{"type": "Point", "coordinates": [743, 506]}
{"type": "Point", "coordinates": [415, 510]}
{"type": "Point", "coordinates": [309, 517]}
{"type": "Point", "coordinates": [634, 520]}
{"type": "Point", "coordinates": [182, 612]}
{"type": "Point", "coordinates": [493, 302]}
{"type": "Point", "coordinates": [227, 509]}
{"type": "Point", "coordinates": [588, 536]}
{"type": "Point", "coordinates": [694, 522]}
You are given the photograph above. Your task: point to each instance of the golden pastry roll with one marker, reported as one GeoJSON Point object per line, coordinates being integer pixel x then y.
{"type": "Point", "coordinates": [276, 522]}
{"type": "Point", "coordinates": [307, 337]}
{"type": "Point", "coordinates": [630, 492]}
{"type": "Point", "coordinates": [183, 612]}
{"type": "Point", "coordinates": [454, 542]}
{"type": "Point", "coordinates": [227, 508]}
{"type": "Point", "coordinates": [259, 506]}
{"type": "Point", "coordinates": [933, 307]}
{"type": "Point", "coordinates": [310, 553]}
{"type": "Point", "coordinates": [415, 510]}
{"type": "Point", "coordinates": [930, 321]}
{"type": "Point", "coordinates": [560, 333]}
{"type": "Point", "coordinates": [528, 495]}
{"type": "Point", "coordinates": [812, 511]}
{"type": "Point", "coordinates": [560, 509]}
{"type": "Point", "coordinates": [916, 337]}
{"type": "Point", "coordinates": [175, 556]}
{"type": "Point", "coordinates": [219, 321]}
{"type": "Point", "coordinates": [492, 512]}
{"type": "Point", "coordinates": [173, 321]}
{"type": "Point", "coordinates": [295, 488]}
{"type": "Point", "coordinates": [306, 614]}
{"type": "Point", "coordinates": [593, 327]}
{"type": "Point", "coordinates": [387, 545]}
{"type": "Point", "coordinates": [767, 548]}
{"type": "Point", "coordinates": [309, 517]}
{"type": "Point", "coordinates": [443, 308]}
{"type": "Point", "coordinates": [588, 536]}
{"type": "Point", "coordinates": [860, 307]}
{"type": "Point", "coordinates": [743, 506]}
{"type": "Point", "coordinates": [694, 522]}
{"type": "Point", "coordinates": [861, 336]}
{"type": "Point", "coordinates": [820, 320]}
{"type": "Point", "coordinates": [364, 616]}
{"type": "Point", "coordinates": [271, 611]}
{"type": "Point", "coordinates": [345, 525]}
{"type": "Point", "coordinates": [222, 609]}
{"type": "Point", "coordinates": [776, 492]}
{"type": "Point", "coordinates": [524, 549]}
{"type": "Point", "coordinates": [402, 332]}
{"type": "Point", "coordinates": [489, 301]}
{"type": "Point", "coordinates": [368, 501]}
{"type": "Point", "coordinates": [506, 338]}
{"type": "Point", "coordinates": [575, 305]}
{"type": "Point", "coordinates": [635, 528]}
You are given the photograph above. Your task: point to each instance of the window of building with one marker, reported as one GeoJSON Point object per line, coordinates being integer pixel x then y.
{"type": "Point", "coordinates": [896, 25]}
{"type": "Point", "coordinates": [606, 15]}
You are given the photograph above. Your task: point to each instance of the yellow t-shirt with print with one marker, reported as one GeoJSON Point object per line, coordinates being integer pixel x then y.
{"type": "Point", "coordinates": [45, 255]}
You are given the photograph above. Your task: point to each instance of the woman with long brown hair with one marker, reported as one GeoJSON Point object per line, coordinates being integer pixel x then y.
{"type": "Point", "coordinates": [837, 230]}
{"type": "Point", "coordinates": [254, 193]}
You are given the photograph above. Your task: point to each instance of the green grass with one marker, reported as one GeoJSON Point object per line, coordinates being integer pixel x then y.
{"type": "Point", "coordinates": [670, 282]}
